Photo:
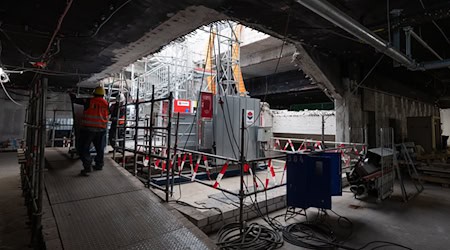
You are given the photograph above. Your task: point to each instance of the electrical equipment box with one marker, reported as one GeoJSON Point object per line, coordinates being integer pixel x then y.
{"type": "Point", "coordinates": [336, 172]}
{"type": "Point", "coordinates": [227, 125]}
{"type": "Point", "coordinates": [312, 179]}
{"type": "Point", "coordinates": [264, 134]}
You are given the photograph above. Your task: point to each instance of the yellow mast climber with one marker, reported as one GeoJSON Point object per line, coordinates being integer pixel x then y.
{"type": "Point", "coordinates": [237, 74]}
{"type": "Point", "coordinates": [210, 79]}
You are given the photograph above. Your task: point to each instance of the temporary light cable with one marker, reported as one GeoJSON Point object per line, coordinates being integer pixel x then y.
{"type": "Point", "coordinates": [3, 79]}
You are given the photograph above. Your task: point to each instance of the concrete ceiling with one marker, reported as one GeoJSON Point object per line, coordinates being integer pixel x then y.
{"type": "Point", "coordinates": [262, 58]}
{"type": "Point", "coordinates": [97, 38]}
{"type": "Point", "coordinates": [268, 67]}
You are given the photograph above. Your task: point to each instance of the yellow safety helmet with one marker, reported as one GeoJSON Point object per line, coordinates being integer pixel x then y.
{"type": "Point", "coordinates": [99, 91]}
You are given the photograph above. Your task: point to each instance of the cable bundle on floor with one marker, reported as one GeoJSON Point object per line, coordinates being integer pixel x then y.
{"type": "Point", "coordinates": [309, 235]}
{"type": "Point", "coordinates": [255, 236]}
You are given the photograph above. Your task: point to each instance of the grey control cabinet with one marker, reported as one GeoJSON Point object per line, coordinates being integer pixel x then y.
{"type": "Point", "coordinates": [227, 126]}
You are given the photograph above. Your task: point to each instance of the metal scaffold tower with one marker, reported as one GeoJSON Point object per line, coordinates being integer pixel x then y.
{"type": "Point", "coordinates": [171, 70]}
{"type": "Point", "coordinates": [33, 165]}
{"type": "Point", "coordinates": [224, 60]}
{"type": "Point", "coordinates": [176, 69]}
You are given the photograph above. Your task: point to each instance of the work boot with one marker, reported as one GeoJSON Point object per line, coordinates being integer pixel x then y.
{"type": "Point", "coordinates": [84, 172]}
{"type": "Point", "coordinates": [97, 168]}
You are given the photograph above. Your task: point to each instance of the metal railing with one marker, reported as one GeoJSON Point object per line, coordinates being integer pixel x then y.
{"type": "Point", "coordinates": [61, 121]}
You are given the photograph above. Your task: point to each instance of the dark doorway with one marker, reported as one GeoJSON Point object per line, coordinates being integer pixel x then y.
{"type": "Point", "coordinates": [395, 125]}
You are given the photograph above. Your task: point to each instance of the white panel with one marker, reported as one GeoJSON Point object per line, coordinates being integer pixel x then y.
{"type": "Point", "coordinates": [303, 122]}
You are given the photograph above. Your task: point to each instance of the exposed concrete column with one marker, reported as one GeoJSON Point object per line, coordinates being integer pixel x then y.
{"type": "Point", "coordinates": [325, 72]}
{"type": "Point", "coordinates": [349, 116]}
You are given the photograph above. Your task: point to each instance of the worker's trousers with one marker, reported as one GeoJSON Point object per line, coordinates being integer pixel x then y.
{"type": "Point", "coordinates": [116, 134]}
{"type": "Point", "coordinates": [98, 138]}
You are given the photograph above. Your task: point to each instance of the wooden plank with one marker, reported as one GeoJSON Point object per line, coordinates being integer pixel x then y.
{"type": "Point", "coordinates": [435, 179]}
{"type": "Point", "coordinates": [432, 169]}
{"type": "Point", "coordinates": [443, 175]}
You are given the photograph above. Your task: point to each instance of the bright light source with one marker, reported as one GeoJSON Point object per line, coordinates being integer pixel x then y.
{"type": "Point", "coordinates": [3, 76]}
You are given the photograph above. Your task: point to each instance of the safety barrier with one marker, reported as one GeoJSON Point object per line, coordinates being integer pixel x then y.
{"type": "Point", "coordinates": [349, 151]}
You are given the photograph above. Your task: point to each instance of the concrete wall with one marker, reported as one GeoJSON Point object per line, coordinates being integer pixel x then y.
{"type": "Point", "coordinates": [12, 117]}
{"type": "Point", "coordinates": [388, 107]}
{"type": "Point", "coordinates": [353, 112]}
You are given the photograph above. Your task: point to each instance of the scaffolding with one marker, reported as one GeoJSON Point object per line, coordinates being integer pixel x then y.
{"type": "Point", "coordinates": [143, 138]}
{"type": "Point", "coordinates": [32, 168]}
{"type": "Point", "coordinates": [163, 161]}
{"type": "Point", "coordinates": [167, 72]}
{"type": "Point", "coordinates": [60, 127]}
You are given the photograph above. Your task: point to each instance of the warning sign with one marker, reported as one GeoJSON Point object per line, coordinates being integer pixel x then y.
{"type": "Point", "coordinates": [250, 117]}
{"type": "Point", "coordinates": [182, 106]}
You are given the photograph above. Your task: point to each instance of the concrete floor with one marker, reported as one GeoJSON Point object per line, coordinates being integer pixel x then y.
{"type": "Point", "coordinates": [422, 223]}
{"type": "Point", "coordinates": [14, 232]}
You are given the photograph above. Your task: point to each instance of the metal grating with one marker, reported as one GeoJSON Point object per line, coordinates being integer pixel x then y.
{"type": "Point", "coordinates": [179, 239]}
{"type": "Point", "coordinates": [64, 183]}
{"type": "Point", "coordinates": [56, 154]}
{"type": "Point", "coordinates": [127, 220]}
{"type": "Point", "coordinates": [110, 210]}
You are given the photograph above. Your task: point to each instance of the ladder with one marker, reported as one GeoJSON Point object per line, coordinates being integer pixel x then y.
{"type": "Point", "coordinates": [412, 171]}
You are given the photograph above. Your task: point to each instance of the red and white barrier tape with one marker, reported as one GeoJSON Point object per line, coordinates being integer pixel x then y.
{"type": "Point", "coordinates": [271, 171]}
{"type": "Point", "coordinates": [277, 144]}
{"type": "Point", "coordinates": [318, 145]}
{"type": "Point", "coordinates": [205, 162]}
{"type": "Point", "coordinates": [248, 169]}
{"type": "Point", "coordinates": [220, 175]}
{"type": "Point", "coordinates": [194, 173]}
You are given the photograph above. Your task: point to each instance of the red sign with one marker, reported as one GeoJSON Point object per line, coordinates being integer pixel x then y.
{"type": "Point", "coordinates": [182, 106]}
{"type": "Point", "coordinates": [206, 100]}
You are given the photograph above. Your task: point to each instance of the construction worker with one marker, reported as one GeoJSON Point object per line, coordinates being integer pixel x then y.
{"type": "Point", "coordinates": [93, 127]}
{"type": "Point", "coordinates": [117, 132]}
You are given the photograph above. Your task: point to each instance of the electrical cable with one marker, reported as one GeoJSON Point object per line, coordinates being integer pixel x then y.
{"type": "Point", "coordinates": [7, 94]}
{"type": "Point", "coordinates": [198, 101]}
{"type": "Point", "coordinates": [228, 108]}
{"type": "Point", "coordinates": [276, 66]}
{"type": "Point", "coordinates": [3, 79]}
{"type": "Point", "coordinates": [109, 17]}
{"type": "Point", "coordinates": [352, 92]}
{"type": "Point", "coordinates": [254, 236]}
{"type": "Point", "coordinates": [435, 24]}
{"type": "Point", "coordinates": [18, 48]}
{"type": "Point", "coordinates": [309, 235]}
{"type": "Point", "coordinates": [387, 243]}
{"type": "Point", "coordinates": [58, 27]}
{"type": "Point", "coordinates": [318, 234]}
